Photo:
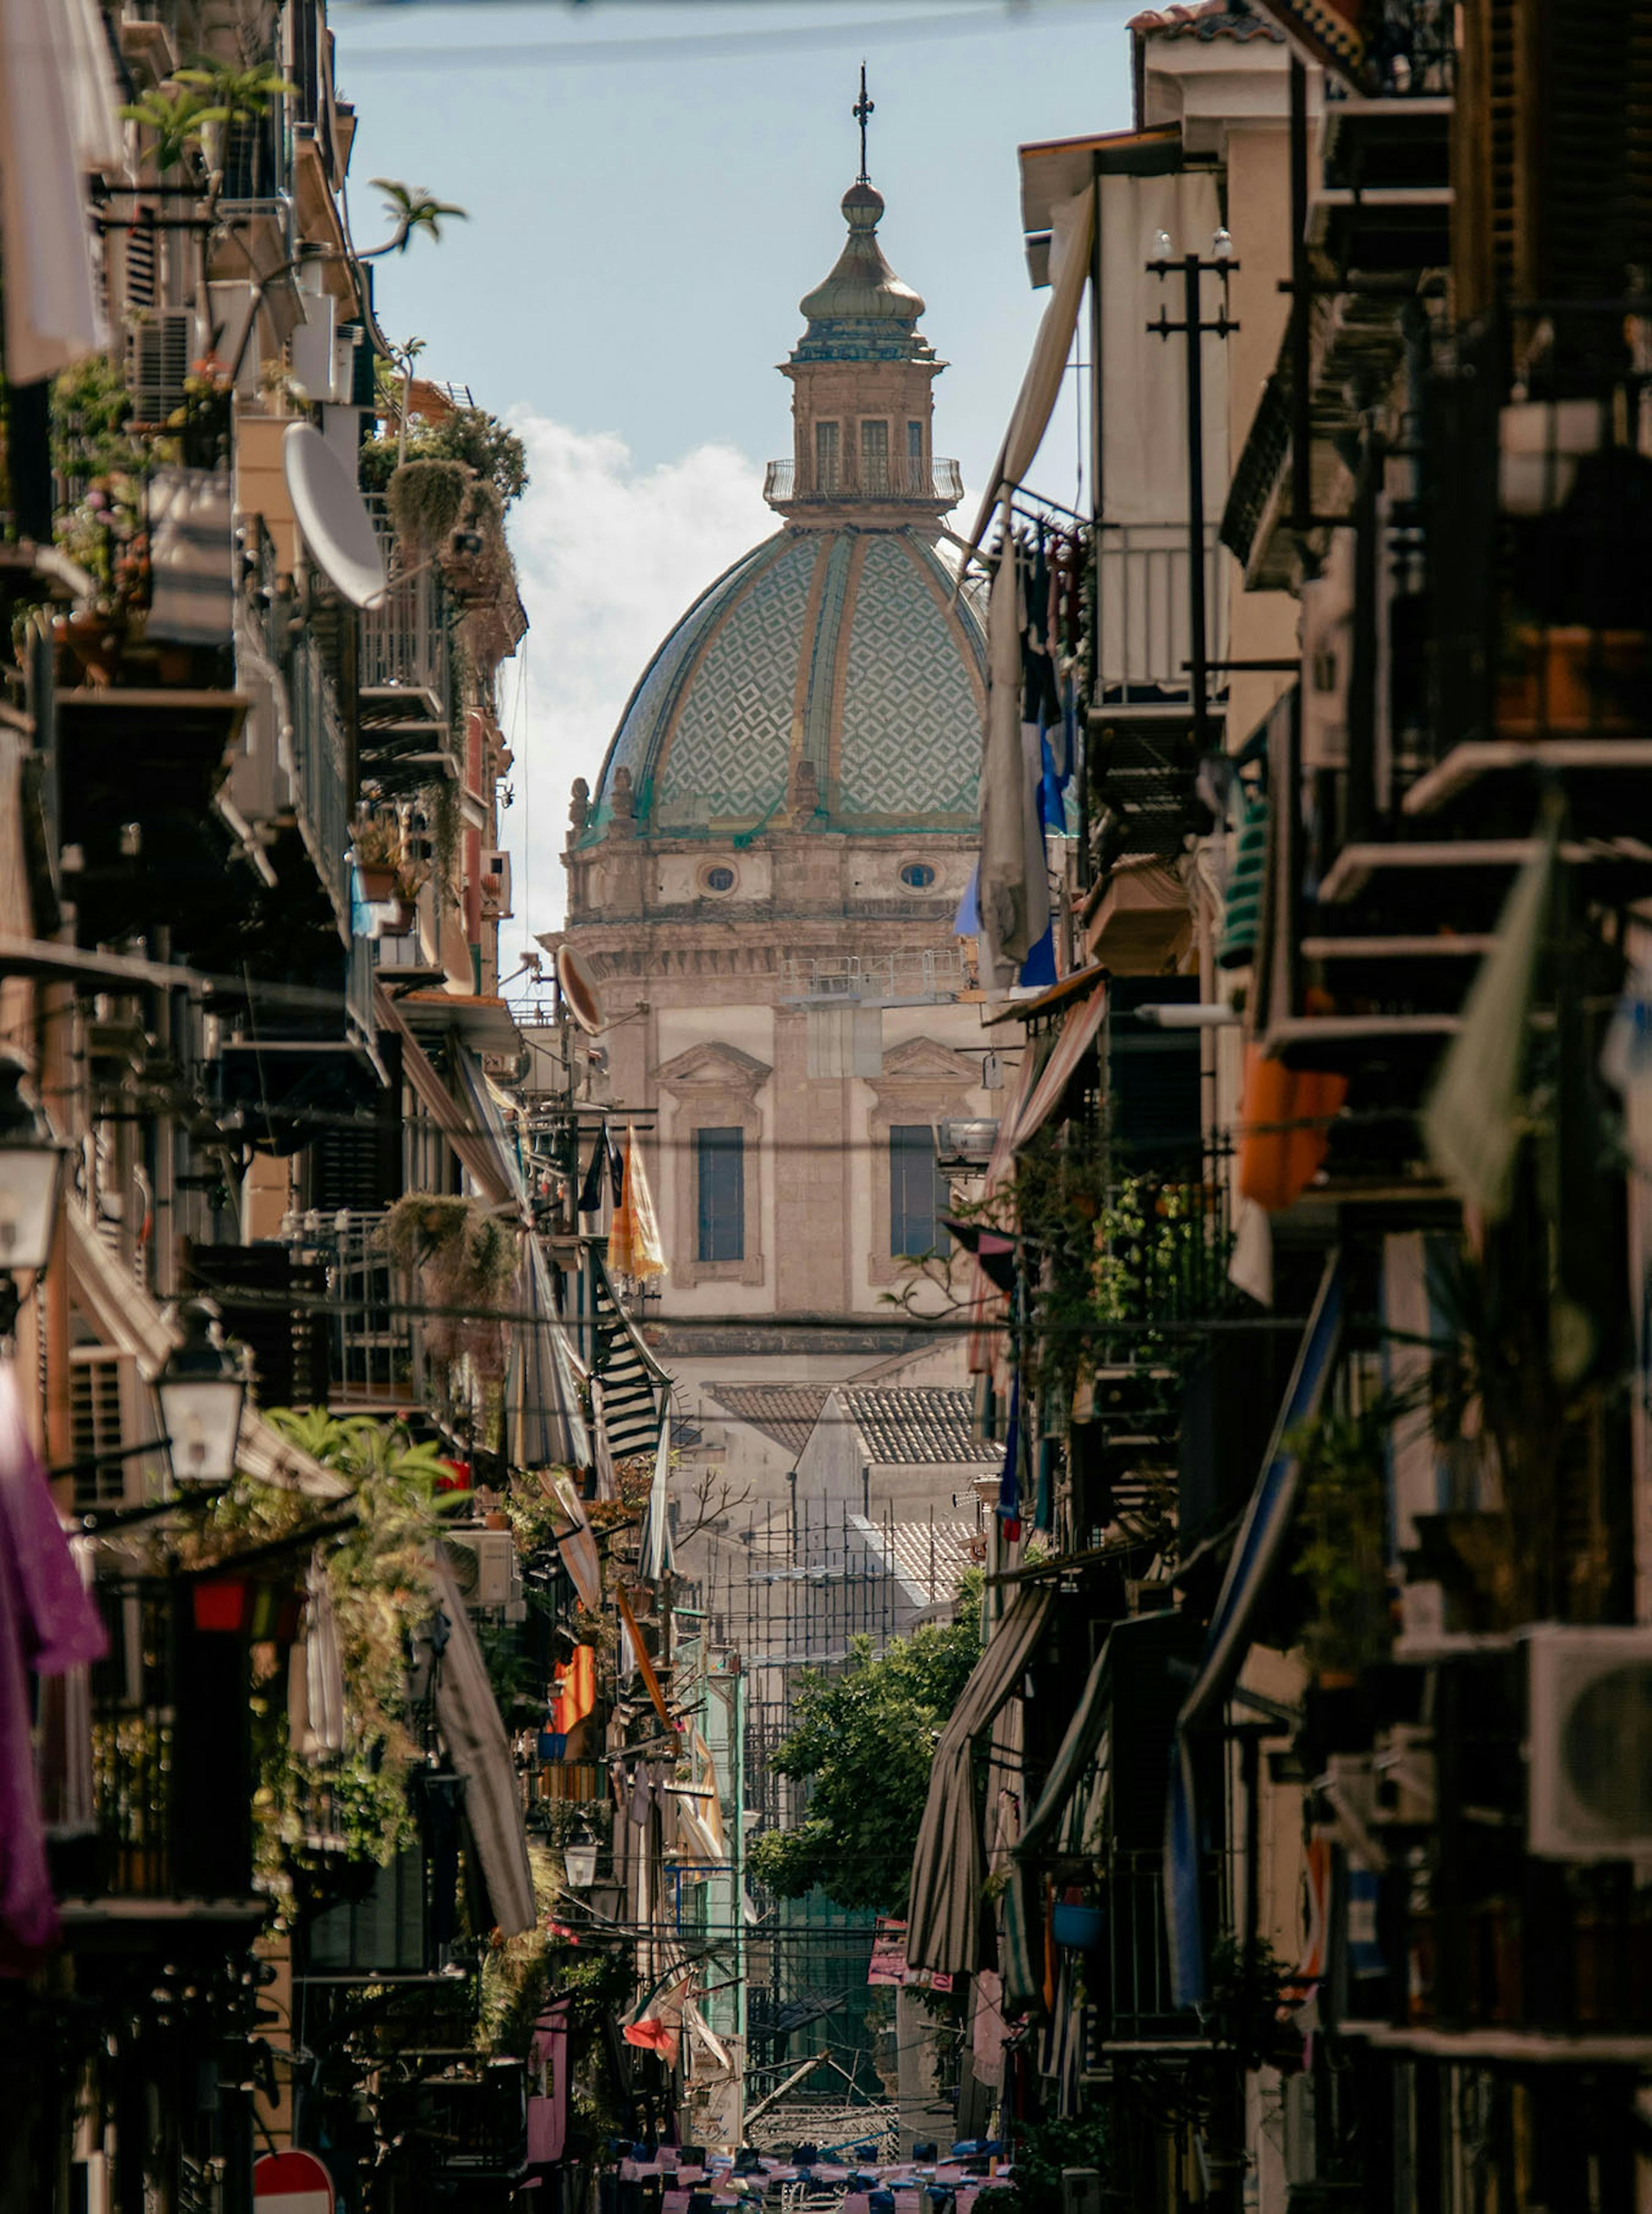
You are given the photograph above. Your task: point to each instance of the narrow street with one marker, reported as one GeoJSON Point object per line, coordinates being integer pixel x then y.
{"type": "Point", "coordinates": [825, 1282]}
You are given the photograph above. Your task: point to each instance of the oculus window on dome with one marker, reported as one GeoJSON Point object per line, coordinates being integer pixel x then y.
{"type": "Point", "coordinates": [718, 879]}
{"type": "Point", "coordinates": [917, 875]}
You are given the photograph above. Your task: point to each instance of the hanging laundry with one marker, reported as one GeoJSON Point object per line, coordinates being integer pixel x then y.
{"type": "Point", "coordinates": [634, 1241]}
{"type": "Point", "coordinates": [48, 1624]}
{"type": "Point", "coordinates": [576, 1689]}
{"type": "Point", "coordinates": [1014, 886]}
{"type": "Point", "coordinates": [657, 1558]}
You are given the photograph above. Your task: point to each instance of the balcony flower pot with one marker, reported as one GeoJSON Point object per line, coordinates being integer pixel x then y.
{"type": "Point", "coordinates": [377, 882]}
{"type": "Point", "coordinates": [402, 925]}
{"type": "Point", "coordinates": [91, 643]}
{"type": "Point", "coordinates": [1079, 1928]}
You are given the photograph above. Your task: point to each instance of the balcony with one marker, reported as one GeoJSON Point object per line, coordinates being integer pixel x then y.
{"type": "Point", "coordinates": [934, 483]}
{"type": "Point", "coordinates": [405, 673]}
{"type": "Point", "coordinates": [170, 1836]}
{"type": "Point", "coordinates": [373, 1359]}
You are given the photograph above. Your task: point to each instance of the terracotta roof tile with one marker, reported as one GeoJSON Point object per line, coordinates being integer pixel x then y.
{"type": "Point", "coordinates": [785, 1412]}
{"type": "Point", "coordinates": [920, 1423]}
{"type": "Point", "coordinates": [1206, 19]}
{"type": "Point", "coordinates": [930, 1558]}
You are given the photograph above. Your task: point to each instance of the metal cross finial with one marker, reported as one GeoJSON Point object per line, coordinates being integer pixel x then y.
{"type": "Point", "coordinates": [862, 111]}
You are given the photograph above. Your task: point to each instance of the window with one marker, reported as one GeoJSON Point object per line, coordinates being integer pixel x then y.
{"type": "Point", "coordinates": [918, 1193]}
{"type": "Point", "coordinates": [917, 875]}
{"type": "Point", "coordinates": [720, 1160]}
{"type": "Point", "coordinates": [874, 456]}
{"type": "Point", "coordinates": [915, 445]}
{"type": "Point", "coordinates": [718, 880]}
{"type": "Point", "coordinates": [829, 455]}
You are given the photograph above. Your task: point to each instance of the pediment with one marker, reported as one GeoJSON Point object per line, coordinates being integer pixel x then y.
{"type": "Point", "coordinates": [715, 1066]}
{"type": "Point", "coordinates": [926, 1061]}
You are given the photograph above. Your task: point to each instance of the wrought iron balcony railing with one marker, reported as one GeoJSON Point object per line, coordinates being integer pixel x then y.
{"type": "Point", "coordinates": [169, 1818]}
{"type": "Point", "coordinates": [405, 644]}
{"type": "Point", "coordinates": [937, 481]}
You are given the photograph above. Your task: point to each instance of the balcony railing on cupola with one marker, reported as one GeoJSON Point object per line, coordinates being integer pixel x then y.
{"type": "Point", "coordinates": [935, 482]}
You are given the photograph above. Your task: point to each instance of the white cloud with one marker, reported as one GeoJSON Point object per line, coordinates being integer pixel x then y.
{"type": "Point", "coordinates": [607, 556]}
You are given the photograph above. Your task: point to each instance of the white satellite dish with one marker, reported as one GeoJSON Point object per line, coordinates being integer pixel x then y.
{"type": "Point", "coordinates": [332, 515]}
{"type": "Point", "coordinates": [579, 993]}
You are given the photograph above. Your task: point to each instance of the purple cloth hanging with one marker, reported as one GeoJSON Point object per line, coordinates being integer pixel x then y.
{"type": "Point", "coordinates": [48, 1624]}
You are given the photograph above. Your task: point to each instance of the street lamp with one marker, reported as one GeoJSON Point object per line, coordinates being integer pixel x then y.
{"type": "Point", "coordinates": [31, 1172]}
{"type": "Point", "coordinates": [202, 1390]}
{"type": "Point", "coordinates": [579, 1860]}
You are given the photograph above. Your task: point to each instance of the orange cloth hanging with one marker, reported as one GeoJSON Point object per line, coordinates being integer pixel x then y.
{"type": "Point", "coordinates": [576, 1689]}
{"type": "Point", "coordinates": [1284, 1128]}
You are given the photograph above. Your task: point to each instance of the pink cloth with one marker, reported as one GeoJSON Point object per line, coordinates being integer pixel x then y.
{"type": "Point", "coordinates": [547, 2116]}
{"type": "Point", "coordinates": [48, 1624]}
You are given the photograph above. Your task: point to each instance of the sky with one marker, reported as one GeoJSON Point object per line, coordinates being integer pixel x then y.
{"type": "Point", "coordinates": [651, 187]}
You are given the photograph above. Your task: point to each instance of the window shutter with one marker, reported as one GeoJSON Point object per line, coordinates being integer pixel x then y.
{"type": "Point", "coordinates": [158, 352]}
{"type": "Point", "coordinates": [103, 1388]}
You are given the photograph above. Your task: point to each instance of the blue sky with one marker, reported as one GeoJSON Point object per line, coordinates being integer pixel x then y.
{"type": "Point", "coordinates": [650, 189]}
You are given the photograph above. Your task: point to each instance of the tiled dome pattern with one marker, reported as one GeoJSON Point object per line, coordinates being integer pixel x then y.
{"type": "Point", "coordinates": [843, 648]}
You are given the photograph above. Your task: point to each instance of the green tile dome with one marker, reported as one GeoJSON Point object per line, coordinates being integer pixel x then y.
{"type": "Point", "coordinates": [843, 650]}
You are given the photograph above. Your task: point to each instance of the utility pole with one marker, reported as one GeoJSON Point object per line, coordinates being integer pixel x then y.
{"type": "Point", "coordinates": [1194, 328]}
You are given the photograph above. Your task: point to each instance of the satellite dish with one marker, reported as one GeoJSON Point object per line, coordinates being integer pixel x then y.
{"type": "Point", "coordinates": [579, 993]}
{"type": "Point", "coordinates": [332, 515]}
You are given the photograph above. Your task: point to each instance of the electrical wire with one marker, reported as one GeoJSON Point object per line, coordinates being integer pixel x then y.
{"type": "Point", "coordinates": [1000, 15]}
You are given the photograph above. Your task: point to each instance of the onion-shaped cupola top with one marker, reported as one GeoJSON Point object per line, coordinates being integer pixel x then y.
{"type": "Point", "coordinates": [862, 312]}
{"type": "Point", "coordinates": [861, 400]}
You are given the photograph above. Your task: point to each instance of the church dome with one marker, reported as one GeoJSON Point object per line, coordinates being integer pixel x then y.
{"type": "Point", "coordinates": [834, 679]}
{"type": "Point", "coordinates": [828, 681]}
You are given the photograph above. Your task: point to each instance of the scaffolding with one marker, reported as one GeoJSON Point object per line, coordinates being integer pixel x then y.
{"type": "Point", "coordinates": [792, 1590]}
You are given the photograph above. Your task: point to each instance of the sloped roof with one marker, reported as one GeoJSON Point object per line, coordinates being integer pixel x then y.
{"type": "Point", "coordinates": [929, 1557]}
{"type": "Point", "coordinates": [1206, 19]}
{"type": "Point", "coordinates": [914, 1424]}
{"type": "Point", "coordinates": [785, 1412]}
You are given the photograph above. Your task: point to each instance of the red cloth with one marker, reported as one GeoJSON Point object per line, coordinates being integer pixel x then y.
{"type": "Point", "coordinates": [48, 1624]}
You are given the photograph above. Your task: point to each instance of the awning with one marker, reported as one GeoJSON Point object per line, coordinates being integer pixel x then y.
{"type": "Point", "coordinates": [1083, 1019]}
{"type": "Point", "coordinates": [1261, 1540]}
{"type": "Point", "coordinates": [1077, 1750]}
{"type": "Point", "coordinates": [471, 1147]}
{"type": "Point", "coordinates": [1073, 229]}
{"type": "Point", "coordinates": [943, 1918]}
{"type": "Point", "coordinates": [480, 1753]}
{"type": "Point", "coordinates": [634, 1384]}
{"type": "Point", "coordinates": [57, 120]}
{"type": "Point", "coordinates": [128, 1317]}
{"type": "Point", "coordinates": [1054, 169]}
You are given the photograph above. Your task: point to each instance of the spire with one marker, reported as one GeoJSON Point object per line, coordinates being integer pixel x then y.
{"type": "Point", "coordinates": [863, 112]}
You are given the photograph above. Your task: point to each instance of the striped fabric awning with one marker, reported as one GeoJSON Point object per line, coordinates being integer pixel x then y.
{"type": "Point", "coordinates": [1079, 1028]}
{"type": "Point", "coordinates": [634, 1383]}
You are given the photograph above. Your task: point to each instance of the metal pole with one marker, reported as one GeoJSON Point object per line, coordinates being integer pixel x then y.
{"type": "Point", "coordinates": [1301, 354]}
{"type": "Point", "coordinates": [1195, 583]}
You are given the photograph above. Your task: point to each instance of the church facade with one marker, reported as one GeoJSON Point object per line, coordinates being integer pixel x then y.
{"type": "Point", "coordinates": [764, 878]}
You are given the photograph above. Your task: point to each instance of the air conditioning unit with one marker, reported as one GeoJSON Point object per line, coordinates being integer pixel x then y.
{"type": "Point", "coordinates": [496, 884]}
{"type": "Point", "coordinates": [485, 1567]}
{"type": "Point", "coordinates": [1081, 2190]}
{"type": "Point", "coordinates": [159, 350]}
{"type": "Point", "coordinates": [1588, 1776]}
